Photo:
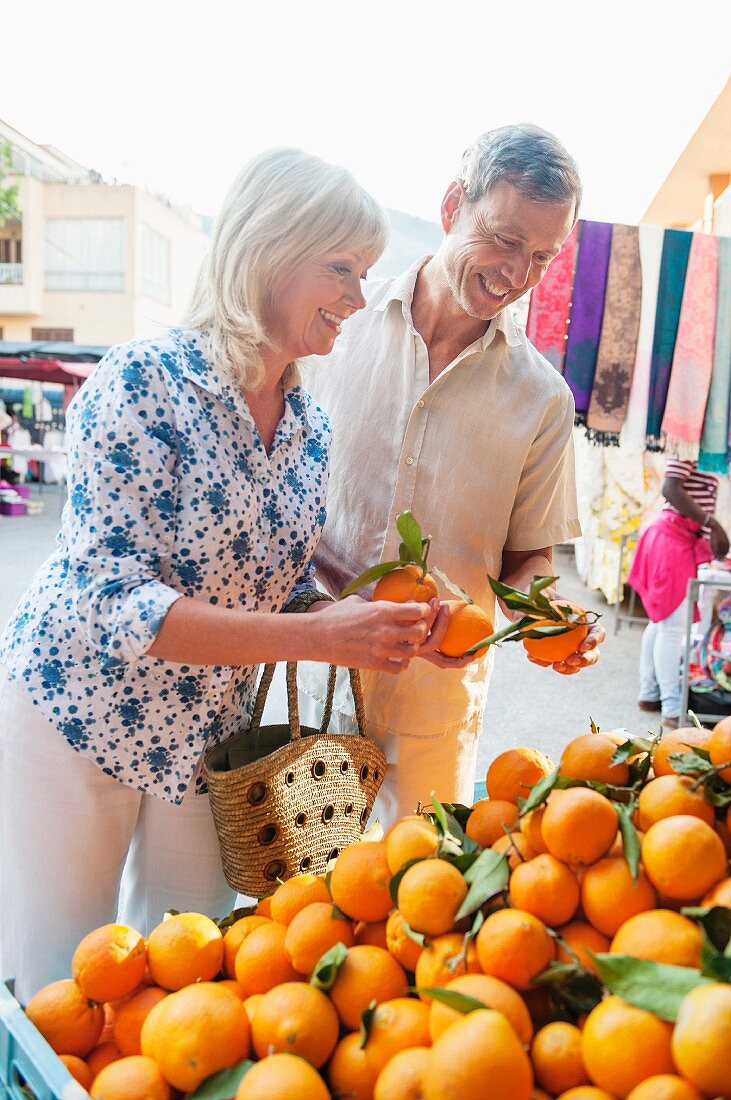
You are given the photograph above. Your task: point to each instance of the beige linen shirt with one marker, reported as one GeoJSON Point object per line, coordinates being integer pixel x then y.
{"type": "Point", "coordinates": [482, 456]}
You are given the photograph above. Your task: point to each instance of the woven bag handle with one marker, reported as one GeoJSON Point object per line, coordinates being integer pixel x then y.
{"type": "Point", "coordinates": [293, 706]}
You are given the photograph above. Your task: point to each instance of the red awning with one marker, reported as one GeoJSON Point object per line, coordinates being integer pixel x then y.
{"type": "Point", "coordinates": [45, 370]}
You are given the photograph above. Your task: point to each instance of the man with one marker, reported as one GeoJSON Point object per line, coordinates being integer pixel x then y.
{"type": "Point", "coordinates": [441, 406]}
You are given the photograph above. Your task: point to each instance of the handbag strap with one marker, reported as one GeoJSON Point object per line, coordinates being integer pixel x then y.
{"type": "Point", "coordinates": [293, 706]}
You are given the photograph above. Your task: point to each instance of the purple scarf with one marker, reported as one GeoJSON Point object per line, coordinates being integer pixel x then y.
{"type": "Point", "coordinates": [587, 311]}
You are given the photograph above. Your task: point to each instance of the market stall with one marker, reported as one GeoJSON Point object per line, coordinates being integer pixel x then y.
{"type": "Point", "coordinates": [638, 321]}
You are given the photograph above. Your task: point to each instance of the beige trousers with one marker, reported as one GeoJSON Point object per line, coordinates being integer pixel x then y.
{"type": "Point", "coordinates": [78, 850]}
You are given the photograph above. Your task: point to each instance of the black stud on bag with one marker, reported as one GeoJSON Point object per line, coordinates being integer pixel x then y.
{"type": "Point", "coordinates": [287, 798]}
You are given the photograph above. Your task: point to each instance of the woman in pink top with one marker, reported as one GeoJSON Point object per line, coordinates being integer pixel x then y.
{"type": "Point", "coordinates": [670, 549]}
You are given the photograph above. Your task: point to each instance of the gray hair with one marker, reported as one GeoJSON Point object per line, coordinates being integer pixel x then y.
{"type": "Point", "coordinates": [284, 207]}
{"type": "Point", "coordinates": [532, 160]}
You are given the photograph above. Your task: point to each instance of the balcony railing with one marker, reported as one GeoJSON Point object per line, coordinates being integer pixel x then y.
{"type": "Point", "coordinates": [11, 273]}
{"type": "Point", "coordinates": [85, 280]}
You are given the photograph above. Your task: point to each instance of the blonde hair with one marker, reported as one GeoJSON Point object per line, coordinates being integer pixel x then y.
{"type": "Point", "coordinates": [284, 207]}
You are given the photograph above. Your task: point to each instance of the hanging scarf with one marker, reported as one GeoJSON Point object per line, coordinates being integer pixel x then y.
{"type": "Point", "coordinates": [585, 323]}
{"type": "Point", "coordinates": [714, 441]}
{"type": "Point", "coordinates": [550, 302]}
{"type": "Point", "coordinates": [675, 249]}
{"type": "Point", "coordinates": [633, 430]}
{"type": "Point", "coordinates": [690, 378]}
{"type": "Point", "coordinates": [618, 342]}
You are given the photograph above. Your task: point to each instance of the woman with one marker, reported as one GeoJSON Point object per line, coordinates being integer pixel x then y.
{"type": "Point", "coordinates": [197, 483]}
{"type": "Point", "coordinates": [669, 551]}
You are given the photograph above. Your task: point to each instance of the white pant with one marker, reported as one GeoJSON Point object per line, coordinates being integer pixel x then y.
{"type": "Point", "coordinates": [70, 836]}
{"type": "Point", "coordinates": [445, 764]}
{"type": "Point", "coordinates": [662, 645]}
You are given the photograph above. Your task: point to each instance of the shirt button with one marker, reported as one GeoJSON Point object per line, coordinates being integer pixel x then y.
{"type": "Point", "coordinates": [420, 404]}
{"type": "Point", "coordinates": [409, 461]}
{"type": "Point", "coordinates": [263, 478]}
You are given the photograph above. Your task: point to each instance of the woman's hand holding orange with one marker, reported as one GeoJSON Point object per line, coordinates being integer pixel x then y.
{"type": "Point", "coordinates": [381, 635]}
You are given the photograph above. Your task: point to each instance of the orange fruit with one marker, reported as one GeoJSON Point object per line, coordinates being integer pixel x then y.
{"type": "Point", "coordinates": [468, 625]}
{"type": "Point", "coordinates": [513, 773]}
{"type": "Point", "coordinates": [586, 1092]}
{"type": "Point", "coordinates": [109, 962]}
{"type": "Point", "coordinates": [78, 1069]}
{"type": "Point", "coordinates": [264, 907]}
{"type": "Point", "coordinates": [262, 961]}
{"type": "Point", "coordinates": [489, 819]}
{"type": "Point", "coordinates": [581, 938]}
{"type": "Point", "coordinates": [296, 1018]}
{"type": "Point", "coordinates": [531, 828]}
{"type": "Point", "coordinates": [368, 973]}
{"type": "Point", "coordinates": [683, 857]}
{"type": "Point", "coordinates": [720, 894]}
{"type": "Point", "coordinates": [443, 959]}
{"type": "Point", "coordinates": [685, 739]}
{"type": "Point", "coordinates": [397, 1024]}
{"type": "Point", "coordinates": [402, 1078]}
{"type": "Point", "coordinates": [234, 937]}
{"type": "Point", "coordinates": [702, 1038]}
{"type": "Point", "coordinates": [557, 647]}
{"type": "Point", "coordinates": [134, 1078]}
{"type": "Point", "coordinates": [719, 746]}
{"type": "Point", "coordinates": [514, 946]}
{"type": "Point", "coordinates": [556, 1056]}
{"type": "Point", "coordinates": [612, 1030]}
{"type": "Point", "coordinates": [407, 583]}
{"type": "Point", "coordinates": [103, 1055]}
{"type": "Point", "coordinates": [481, 1047]}
{"type": "Point", "coordinates": [665, 1086]}
{"type": "Point", "coordinates": [609, 895]}
{"type": "Point", "coordinates": [359, 881]}
{"type": "Point", "coordinates": [131, 1016]}
{"type": "Point", "coordinates": [196, 1032]}
{"type": "Point", "coordinates": [429, 895]}
{"type": "Point", "coordinates": [579, 825]}
{"type": "Point", "coordinates": [410, 839]}
{"type": "Point", "coordinates": [516, 848]}
{"type": "Point", "coordinates": [660, 935]}
{"type": "Point", "coordinates": [284, 1076]}
{"type": "Point", "coordinates": [590, 757]}
{"type": "Point", "coordinates": [68, 1021]}
{"type": "Point", "coordinates": [294, 894]}
{"type": "Point", "coordinates": [313, 932]}
{"type": "Point", "coordinates": [183, 949]}
{"type": "Point", "coordinates": [250, 1005]}
{"type": "Point", "coordinates": [400, 944]}
{"type": "Point", "coordinates": [351, 1071]}
{"type": "Point", "coordinates": [232, 985]}
{"type": "Point", "coordinates": [669, 795]}
{"type": "Point", "coordinates": [546, 888]}
{"type": "Point", "coordinates": [373, 933]}
{"type": "Point", "coordinates": [494, 994]}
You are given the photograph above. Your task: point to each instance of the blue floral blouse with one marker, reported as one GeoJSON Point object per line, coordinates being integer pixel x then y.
{"type": "Point", "coordinates": [171, 493]}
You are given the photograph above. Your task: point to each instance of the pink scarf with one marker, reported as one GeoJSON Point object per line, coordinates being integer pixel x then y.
{"type": "Point", "coordinates": [550, 304]}
{"type": "Point", "coordinates": [690, 378]}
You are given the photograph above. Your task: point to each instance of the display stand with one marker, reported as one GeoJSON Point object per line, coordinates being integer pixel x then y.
{"type": "Point", "coordinates": [627, 542]}
{"type": "Point", "coordinates": [712, 581]}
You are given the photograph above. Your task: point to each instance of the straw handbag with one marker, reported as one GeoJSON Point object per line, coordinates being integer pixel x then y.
{"type": "Point", "coordinates": [287, 799]}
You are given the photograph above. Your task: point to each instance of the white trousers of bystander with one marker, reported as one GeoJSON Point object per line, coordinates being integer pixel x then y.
{"type": "Point", "coordinates": [662, 646]}
{"type": "Point", "coordinates": [78, 850]}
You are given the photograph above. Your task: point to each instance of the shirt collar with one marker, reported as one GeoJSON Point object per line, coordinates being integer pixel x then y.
{"type": "Point", "coordinates": [195, 365]}
{"type": "Point", "coordinates": [402, 290]}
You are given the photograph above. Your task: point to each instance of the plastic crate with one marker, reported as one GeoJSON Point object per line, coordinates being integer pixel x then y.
{"type": "Point", "coordinates": [29, 1069]}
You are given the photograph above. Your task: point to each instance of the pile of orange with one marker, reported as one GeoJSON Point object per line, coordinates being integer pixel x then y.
{"type": "Point", "coordinates": [336, 987]}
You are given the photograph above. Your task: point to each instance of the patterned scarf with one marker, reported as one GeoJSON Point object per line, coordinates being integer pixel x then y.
{"type": "Point", "coordinates": [690, 379]}
{"type": "Point", "coordinates": [633, 430]}
{"type": "Point", "coordinates": [618, 343]}
{"type": "Point", "coordinates": [714, 441]}
{"type": "Point", "coordinates": [550, 303]}
{"type": "Point", "coordinates": [676, 247]}
{"type": "Point", "coordinates": [585, 323]}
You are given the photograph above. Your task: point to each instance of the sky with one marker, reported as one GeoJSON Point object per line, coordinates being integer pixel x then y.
{"type": "Point", "coordinates": [178, 96]}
